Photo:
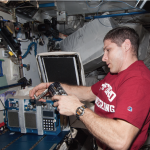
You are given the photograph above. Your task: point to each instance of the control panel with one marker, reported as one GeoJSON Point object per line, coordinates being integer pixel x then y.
{"type": "Point", "coordinates": [28, 116]}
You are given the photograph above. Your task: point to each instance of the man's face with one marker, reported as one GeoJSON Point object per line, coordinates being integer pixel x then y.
{"type": "Point", "coordinates": [113, 56]}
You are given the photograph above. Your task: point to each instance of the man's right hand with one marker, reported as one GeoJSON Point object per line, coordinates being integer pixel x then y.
{"type": "Point", "coordinates": [37, 90]}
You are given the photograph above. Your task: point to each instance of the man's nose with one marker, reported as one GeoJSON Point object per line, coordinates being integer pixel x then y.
{"type": "Point", "coordinates": [105, 57]}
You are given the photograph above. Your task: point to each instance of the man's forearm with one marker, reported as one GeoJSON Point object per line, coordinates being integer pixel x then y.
{"type": "Point", "coordinates": [106, 130]}
{"type": "Point", "coordinates": [82, 92]}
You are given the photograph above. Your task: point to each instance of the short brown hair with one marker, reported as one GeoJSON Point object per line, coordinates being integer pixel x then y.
{"type": "Point", "coordinates": [120, 34]}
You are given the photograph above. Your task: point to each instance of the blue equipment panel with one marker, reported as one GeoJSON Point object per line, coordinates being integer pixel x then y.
{"type": "Point", "coordinates": [51, 141]}
{"type": "Point", "coordinates": [27, 141]}
{"type": "Point", "coordinates": [6, 138]}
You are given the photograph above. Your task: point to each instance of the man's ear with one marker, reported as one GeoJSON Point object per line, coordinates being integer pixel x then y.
{"type": "Point", "coordinates": [127, 45]}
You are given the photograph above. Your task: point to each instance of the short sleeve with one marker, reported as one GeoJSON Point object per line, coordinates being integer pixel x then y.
{"type": "Point", "coordinates": [96, 86]}
{"type": "Point", "coordinates": [133, 101]}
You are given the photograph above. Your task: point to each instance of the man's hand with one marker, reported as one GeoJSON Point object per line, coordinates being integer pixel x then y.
{"type": "Point", "coordinates": [66, 105]}
{"type": "Point", "coordinates": [38, 90]}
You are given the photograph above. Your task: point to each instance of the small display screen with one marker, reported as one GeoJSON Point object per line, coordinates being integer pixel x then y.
{"type": "Point", "coordinates": [48, 113]}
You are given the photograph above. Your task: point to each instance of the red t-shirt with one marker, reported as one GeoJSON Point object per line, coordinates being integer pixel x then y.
{"type": "Point", "coordinates": [126, 96]}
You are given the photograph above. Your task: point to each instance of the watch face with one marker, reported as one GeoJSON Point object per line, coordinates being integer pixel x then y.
{"type": "Point", "coordinates": [79, 111]}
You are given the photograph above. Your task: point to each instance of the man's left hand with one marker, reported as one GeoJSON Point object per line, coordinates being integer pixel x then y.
{"type": "Point", "coordinates": [66, 105]}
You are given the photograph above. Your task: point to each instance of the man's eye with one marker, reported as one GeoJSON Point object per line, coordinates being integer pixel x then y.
{"type": "Point", "coordinates": [107, 50]}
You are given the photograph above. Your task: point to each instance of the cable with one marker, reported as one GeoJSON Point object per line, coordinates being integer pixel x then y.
{"type": "Point", "coordinates": [70, 128]}
{"type": "Point", "coordinates": [19, 6]}
{"type": "Point", "coordinates": [74, 122]}
{"type": "Point", "coordinates": [97, 14]}
{"type": "Point", "coordinates": [2, 103]}
{"type": "Point", "coordinates": [95, 6]}
{"type": "Point", "coordinates": [122, 16]}
{"type": "Point", "coordinates": [23, 6]}
{"type": "Point", "coordinates": [1, 18]}
{"type": "Point", "coordinates": [133, 20]}
{"type": "Point", "coordinates": [27, 7]}
{"type": "Point", "coordinates": [103, 24]}
{"type": "Point", "coordinates": [114, 1]}
{"type": "Point", "coordinates": [120, 19]}
{"type": "Point", "coordinates": [124, 3]}
{"type": "Point", "coordinates": [134, 17]}
{"type": "Point", "coordinates": [29, 47]}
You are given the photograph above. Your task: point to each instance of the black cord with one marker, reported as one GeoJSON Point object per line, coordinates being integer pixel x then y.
{"type": "Point", "coordinates": [134, 18]}
{"type": "Point", "coordinates": [87, 75]}
{"type": "Point", "coordinates": [20, 5]}
{"type": "Point", "coordinates": [70, 128]}
{"type": "Point", "coordinates": [2, 103]}
{"type": "Point", "coordinates": [27, 7]}
{"type": "Point", "coordinates": [74, 121]}
{"type": "Point", "coordinates": [1, 17]}
{"type": "Point", "coordinates": [120, 19]}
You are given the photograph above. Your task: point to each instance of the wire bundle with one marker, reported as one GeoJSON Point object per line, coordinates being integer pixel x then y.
{"type": "Point", "coordinates": [29, 47]}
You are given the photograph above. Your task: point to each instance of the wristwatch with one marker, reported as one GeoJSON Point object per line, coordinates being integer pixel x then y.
{"type": "Point", "coordinates": [80, 111]}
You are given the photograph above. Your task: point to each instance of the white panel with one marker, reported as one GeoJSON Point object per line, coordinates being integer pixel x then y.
{"type": "Point", "coordinates": [31, 60]}
{"type": "Point", "coordinates": [6, 16]}
{"type": "Point", "coordinates": [12, 76]}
